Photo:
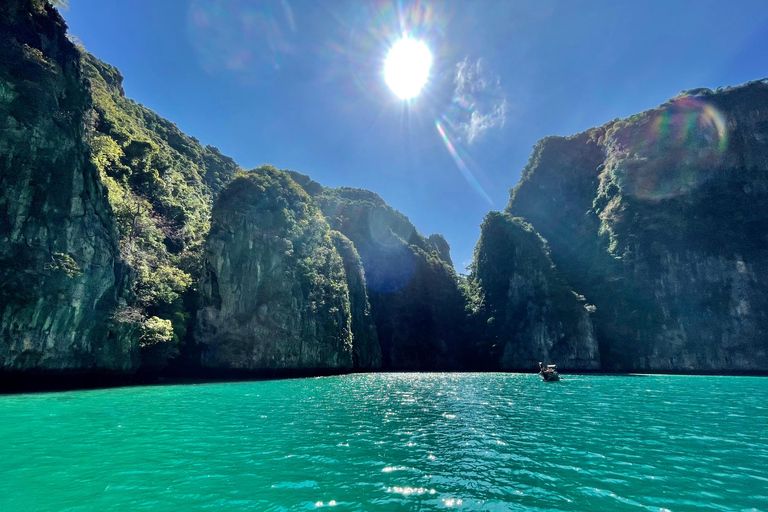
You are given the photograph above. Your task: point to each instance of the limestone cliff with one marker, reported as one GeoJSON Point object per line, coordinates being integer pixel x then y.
{"type": "Point", "coordinates": [527, 313]}
{"type": "Point", "coordinates": [161, 184]}
{"type": "Point", "coordinates": [274, 288]}
{"type": "Point", "coordinates": [415, 299]}
{"type": "Point", "coordinates": [61, 277]}
{"type": "Point", "coordinates": [366, 350]}
{"type": "Point", "coordinates": [660, 221]}
{"type": "Point", "coordinates": [439, 242]}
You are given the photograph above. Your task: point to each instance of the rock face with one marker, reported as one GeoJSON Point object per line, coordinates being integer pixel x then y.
{"type": "Point", "coordinates": [60, 273]}
{"type": "Point", "coordinates": [415, 300]}
{"type": "Point", "coordinates": [660, 221]}
{"type": "Point", "coordinates": [274, 287]}
{"type": "Point", "coordinates": [530, 313]}
{"type": "Point", "coordinates": [161, 185]}
{"type": "Point", "coordinates": [443, 249]}
{"type": "Point", "coordinates": [640, 245]}
{"type": "Point", "coordinates": [366, 351]}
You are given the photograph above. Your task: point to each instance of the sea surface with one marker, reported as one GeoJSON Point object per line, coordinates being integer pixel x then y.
{"type": "Point", "coordinates": [392, 442]}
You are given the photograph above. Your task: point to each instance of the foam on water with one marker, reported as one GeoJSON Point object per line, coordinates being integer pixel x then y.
{"type": "Point", "coordinates": [392, 442]}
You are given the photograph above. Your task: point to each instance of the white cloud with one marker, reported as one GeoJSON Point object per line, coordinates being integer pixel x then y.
{"type": "Point", "coordinates": [480, 100]}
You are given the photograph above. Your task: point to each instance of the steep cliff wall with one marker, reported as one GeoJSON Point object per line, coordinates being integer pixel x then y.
{"type": "Point", "coordinates": [161, 185]}
{"type": "Point", "coordinates": [527, 313]}
{"type": "Point", "coordinates": [60, 274]}
{"type": "Point", "coordinates": [415, 299]}
{"type": "Point", "coordinates": [366, 350]}
{"type": "Point", "coordinates": [660, 221]}
{"type": "Point", "coordinates": [274, 288]}
{"type": "Point", "coordinates": [439, 242]}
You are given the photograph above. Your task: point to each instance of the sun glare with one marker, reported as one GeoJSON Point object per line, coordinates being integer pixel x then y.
{"type": "Point", "coordinates": [407, 67]}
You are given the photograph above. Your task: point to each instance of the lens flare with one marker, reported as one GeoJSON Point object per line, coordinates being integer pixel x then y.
{"type": "Point", "coordinates": [394, 268]}
{"type": "Point", "coordinates": [461, 164]}
{"type": "Point", "coordinates": [249, 40]}
{"type": "Point", "coordinates": [396, 265]}
{"type": "Point", "coordinates": [393, 261]}
{"type": "Point", "coordinates": [670, 151]}
{"type": "Point", "coordinates": [406, 69]}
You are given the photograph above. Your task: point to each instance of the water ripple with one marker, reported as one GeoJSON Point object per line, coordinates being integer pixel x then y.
{"type": "Point", "coordinates": [492, 442]}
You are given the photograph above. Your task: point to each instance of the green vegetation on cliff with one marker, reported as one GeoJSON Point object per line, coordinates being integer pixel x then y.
{"type": "Point", "coordinates": [659, 220]}
{"type": "Point", "coordinates": [521, 310]}
{"type": "Point", "coordinates": [416, 302]}
{"type": "Point", "coordinates": [293, 218]}
{"type": "Point", "coordinates": [161, 185]}
{"type": "Point", "coordinates": [366, 349]}
{"type": "Point", "coordinates": [275, 290]}
{"type": "Point", "coordinates": [109, 241]}
{"type": "Point", "coordinates": [61, 278]}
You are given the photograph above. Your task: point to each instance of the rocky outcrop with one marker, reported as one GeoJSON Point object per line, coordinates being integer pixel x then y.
{"type": "Point", "coordinates": [443, 249]}
{"type": "Point", "coordinates": [60, 273]}
{"type": "Point", "coordinates": [659, 220]}
{"type": "Point", "coordinates": [274, 289]}
{"type": "Point", "coordinates": [529, 313]}
{"type": "Point", "coordinates": [366, 351]}
{"type": "Point", "coordinates": [415, 299]}
{"type": "Point", "coordinates": [161, 185]}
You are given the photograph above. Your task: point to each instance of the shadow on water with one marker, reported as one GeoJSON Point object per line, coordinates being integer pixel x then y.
{"type": "Point", "coordinates": [36, 382]}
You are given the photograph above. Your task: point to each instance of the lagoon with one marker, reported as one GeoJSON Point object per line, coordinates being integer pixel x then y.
{"type": "Point", "coordinates": [429, 441]}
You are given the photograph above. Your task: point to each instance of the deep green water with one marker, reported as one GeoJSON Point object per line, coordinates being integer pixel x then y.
{"type": "Point", "coordinates": [392, 442]}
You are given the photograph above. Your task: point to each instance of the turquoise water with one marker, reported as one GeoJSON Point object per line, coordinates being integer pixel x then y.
{"type": "Point", "coordinates": [392, 442]}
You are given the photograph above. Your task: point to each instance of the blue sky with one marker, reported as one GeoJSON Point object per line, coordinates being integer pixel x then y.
{"type": "Point", "coordinates": [299, 84]}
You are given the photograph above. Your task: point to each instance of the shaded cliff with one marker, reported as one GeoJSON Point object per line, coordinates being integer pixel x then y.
{"type": "Point", "coordinates": [366, 351]}
{"type": "Point", "coordinates": [525, 311]}
{"type": "Point", "coordinates": [660, 221]}
{"type": "Point", "coordinates": [62, 283]}
{"type": "Point", "coordinates": [439, 242]}
{"type": "Point", "coordinates": [413, 289]}
{"type": "Point", "coordinates": [274, 288]}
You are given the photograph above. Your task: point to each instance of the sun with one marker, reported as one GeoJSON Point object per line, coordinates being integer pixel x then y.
{"type": "Point", "coordinates": [407, 67]}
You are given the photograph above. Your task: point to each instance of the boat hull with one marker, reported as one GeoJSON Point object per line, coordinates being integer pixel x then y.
{"type": "Point", "coordinates": [549, 376]}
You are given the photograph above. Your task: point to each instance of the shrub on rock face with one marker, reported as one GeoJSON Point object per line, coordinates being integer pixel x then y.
{"type": "Point", "coordinates": [155, 330]}
{"type": "Point", "coordinates": [64, 263]}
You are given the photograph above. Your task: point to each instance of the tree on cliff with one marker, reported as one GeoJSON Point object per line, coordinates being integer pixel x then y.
{"type": "Point", "coordinates": [161, 185]}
